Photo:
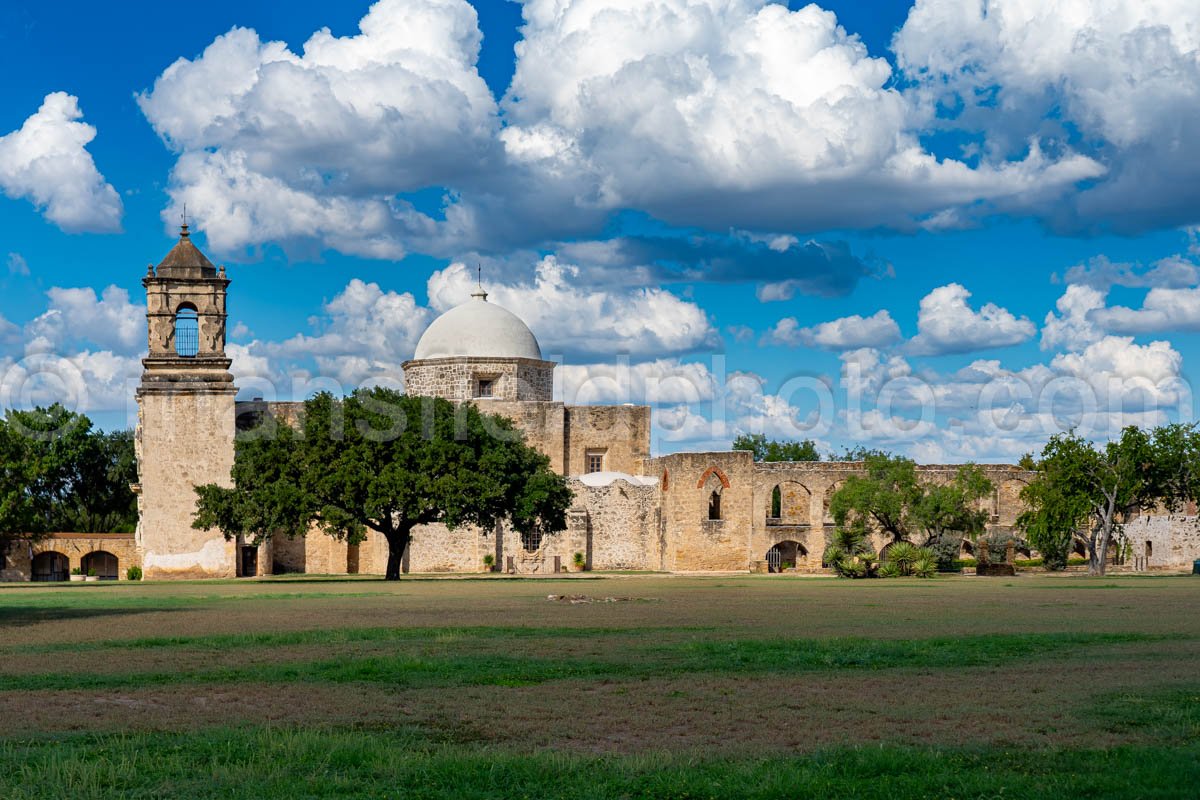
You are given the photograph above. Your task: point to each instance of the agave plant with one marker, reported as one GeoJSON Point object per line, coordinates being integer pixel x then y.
{"type": "Point", "coordinates": [926, 565]}
{"type": "Point", "coordinates": [850, 555]}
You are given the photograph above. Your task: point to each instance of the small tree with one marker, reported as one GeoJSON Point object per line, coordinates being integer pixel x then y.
{"type": "Point", "coordinates": [776, 450]}
{"type": "Point", "coordinates": [1052, 520]}
{"type": "Point", "coordinates": [1100, 489]}
{"type": "Point", "coordinates": [383, 461]}
{"type": "Point", "coordinates": [891, 498]}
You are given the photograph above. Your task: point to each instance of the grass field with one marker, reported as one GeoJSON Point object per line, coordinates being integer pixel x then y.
{"type": "Point", "coordinates": [687, 687]}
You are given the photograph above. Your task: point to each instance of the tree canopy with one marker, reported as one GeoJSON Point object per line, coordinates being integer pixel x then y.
{"type": "Point", "coordinates": [388, 462]}
{"type": "Point", "coordinates": [58, 473]}
{"type": "Point", "coordinates": [1093, 491]}
{"type": "Point", "coordinates": [776, 450]}
{"type": "Point", "coordinates": [894, 499]}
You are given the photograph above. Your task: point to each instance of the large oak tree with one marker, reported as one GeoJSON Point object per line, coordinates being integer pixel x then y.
{"type": "Point", "coordinates": [1093, 491]}
{"type": "Point", "coordinates": [383, 461]}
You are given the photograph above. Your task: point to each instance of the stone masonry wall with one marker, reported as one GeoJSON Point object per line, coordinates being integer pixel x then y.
{"type": "Point", "coordinates": [806, 487]}
{"type": "Point", "coordinates": [1164, 541]}
{"type": "Point", "coordinates": [457, 378]}
{"type": "Point", "coordinates": [75, 546]}
{"type": "Point", "coordinates": [621, 433]}
{"type": "Point", "coordinates": [622, 521]}
{"type": "Point", "coordinates": [693, 542]}
{"type": "Point", "coordinates": [184, 439]}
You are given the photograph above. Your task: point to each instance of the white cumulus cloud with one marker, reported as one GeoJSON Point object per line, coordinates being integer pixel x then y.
{"type": "Point", "coordinates": [947, 324]}
{"type": "Point", "coordinates": [314, 147]}
{"type": "Point", "coordinates": [846, 333]}
{"type": "Point", "coordinates": [46, 162]}
{"type": "Point", "coordinates": [570, 320]}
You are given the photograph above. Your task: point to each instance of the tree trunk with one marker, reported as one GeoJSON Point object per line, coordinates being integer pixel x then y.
{"type": "Point", "coordinates": [1098, 549]}
{"type": "Point", "coordinates": [397, 543]}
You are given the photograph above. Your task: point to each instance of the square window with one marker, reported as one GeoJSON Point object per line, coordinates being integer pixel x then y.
{"type": "Point", "coordinates": [594, 461]}
{"type": "Point", "coordinates": [485, 387]}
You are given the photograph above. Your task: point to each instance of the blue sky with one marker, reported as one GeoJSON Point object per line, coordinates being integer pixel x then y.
{"type": "Point", "coordinates": [934, 230]}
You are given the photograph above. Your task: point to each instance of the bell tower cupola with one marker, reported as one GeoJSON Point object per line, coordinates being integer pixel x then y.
{"type": "Point", "coordinates": [185, 311]}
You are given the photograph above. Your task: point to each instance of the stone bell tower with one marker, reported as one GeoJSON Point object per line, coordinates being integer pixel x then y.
{"type": "Point", "coordinates": [185, 415]}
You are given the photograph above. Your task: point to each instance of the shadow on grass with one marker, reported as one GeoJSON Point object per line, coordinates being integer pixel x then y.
{"type": "Point", "coordinates": [24, 616]}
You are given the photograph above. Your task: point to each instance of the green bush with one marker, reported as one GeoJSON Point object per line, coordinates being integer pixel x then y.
{"type": "Point", "coordinates": [1076, 562]}
{"type": "Point", "coordinates": [92, 572]}
{"type": "Point", "coordinates": [134, 573]}
{"type": "Point", "coordinates": [960, 563]}
{"type": "Point", "coordinates": [1028, 562]}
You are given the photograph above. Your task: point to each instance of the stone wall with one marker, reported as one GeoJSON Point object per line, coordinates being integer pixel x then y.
{"type": "Point", "coordinates": [691, 541]}
{"type": "Point", "coordinates": [621, 524]}
{"type": "Point", "coordinates": [184, 439]}
{"type": "Point", "coordinates": [75, 547]}
{"type": "Point", "coordinates": [807, 486]}
{"type": "Point", "coordinates": [457, 378]}
{"type": "Point", "coordinates": [1164, 541]}
{"type": "Point", "coordinates": [620, 433]}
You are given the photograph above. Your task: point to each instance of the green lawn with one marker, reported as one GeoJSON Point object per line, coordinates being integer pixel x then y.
{"type": "Point", "coordinates": [685, 687]}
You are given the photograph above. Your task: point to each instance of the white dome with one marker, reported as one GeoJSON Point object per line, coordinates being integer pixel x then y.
{"type": "Point", "coordinates": [478, 328]}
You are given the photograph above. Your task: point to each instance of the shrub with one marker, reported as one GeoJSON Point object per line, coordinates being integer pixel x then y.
{"type": "Point", "coordinates": [134, 573]}
{"type": "Point", "coordinates": [92, 572]}
{"type": "Point", "coordinates": [926, 566]}
{"type": "Point", "coordinates": [579, 560]}
{"type": "Point", "coordinates": [489, 561]}
{"type": "Point", "coordinates": [76, 571]}
{"type": "Point", "coordinates": [850, 555]}
{"type": "Point", "coordinates": [905, 558]}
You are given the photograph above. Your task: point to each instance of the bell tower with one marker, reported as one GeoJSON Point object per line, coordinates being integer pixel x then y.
{"type": "Point", "coordinates": [185, 415]}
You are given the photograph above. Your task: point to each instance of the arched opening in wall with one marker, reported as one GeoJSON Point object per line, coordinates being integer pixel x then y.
{"type": "Point", "coordinates": [775, 512]}
{"type": "Point", "coordinates": [187, 331]}
{"type": "Point", "coordinates": [531, 541]}
{"type": "Point", "coordinates": [795, 503]}
{"type": "Point", "coordinates": [103, 562]}
{"type": "Point", "coordinates": [785, 556]}
{"type": "Point", "coordinates": [826, 514]}
{"type": "Point", "coordinates": [966, 549]}
{"type": "Point", "coordinates": [714, 505]}
{"type": "Point", "coordinates": [1079, 548]}
{"type": "Point", "coordinates": [50, 566]}
{"type": "Point", "coordinates": [887, 549]}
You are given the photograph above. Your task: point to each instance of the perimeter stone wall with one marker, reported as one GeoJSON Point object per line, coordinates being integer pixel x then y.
{"type": "Point", "coordinates": [1164, 540]}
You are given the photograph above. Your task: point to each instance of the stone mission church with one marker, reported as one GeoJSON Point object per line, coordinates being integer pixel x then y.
{"type": "Point", "coordinates": [695, 511]}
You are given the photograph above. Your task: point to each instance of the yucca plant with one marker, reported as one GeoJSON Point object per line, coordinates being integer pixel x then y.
{"type": "Point", "coordinates": [926, 566]}
{"type": "Point", "coordinates": [850, 555]}
{"type": "Point", "coordinates": [904, 555]}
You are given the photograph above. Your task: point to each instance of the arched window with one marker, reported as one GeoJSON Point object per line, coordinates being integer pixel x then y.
{"type": "Point", "coordinates": [714, 505]}
{"type": "Point", "coordinates": [531, 541]}
{"type": "Point", "coordinates": [187, 331]}
{"type": "Point", "coordinates": [776, 503]}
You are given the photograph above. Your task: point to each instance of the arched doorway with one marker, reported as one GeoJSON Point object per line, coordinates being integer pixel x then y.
{"type": "Point", "coordinates": [785, 555]}
{"type": "Point", "coordinates": [103, 562]}
{"type": "Point", "coordinates": [50, 566]}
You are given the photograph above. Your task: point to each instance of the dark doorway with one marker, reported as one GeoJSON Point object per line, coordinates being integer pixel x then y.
{"type": "Point", "coordinates": [249, 561]}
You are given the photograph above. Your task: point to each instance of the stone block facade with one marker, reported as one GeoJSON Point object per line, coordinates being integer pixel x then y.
{"type": "Point", "coordinates": [56, 556]}
{"type": "Point", "coordinates": [459, 378]}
